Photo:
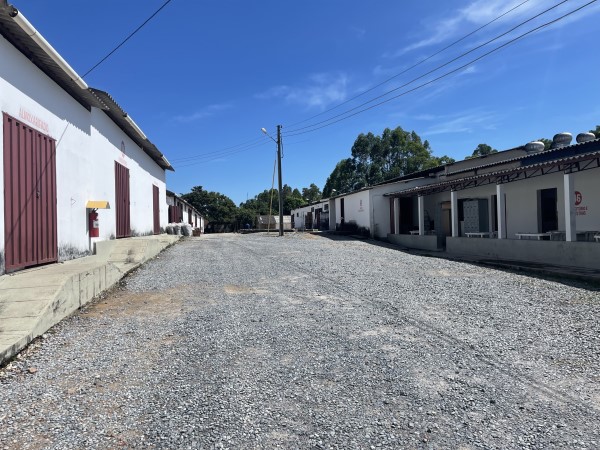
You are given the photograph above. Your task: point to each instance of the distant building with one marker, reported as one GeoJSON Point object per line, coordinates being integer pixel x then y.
{"type": "Point", "coordinates": [314, 216]}
{"type": "Point", "coordinates": [266, 222]}
{"type": "Point", "coordinates": [180, 211]}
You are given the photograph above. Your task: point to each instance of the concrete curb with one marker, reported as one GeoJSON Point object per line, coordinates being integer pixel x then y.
{"type": "Point", "coordinates": [45, 295]}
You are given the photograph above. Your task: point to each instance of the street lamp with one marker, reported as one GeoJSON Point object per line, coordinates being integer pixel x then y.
{"type": "Point", "coordinates": [278, 142]}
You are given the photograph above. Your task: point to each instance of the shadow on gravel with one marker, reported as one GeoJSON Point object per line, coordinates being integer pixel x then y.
{"type": "Point", "coordinates": [577, 277]}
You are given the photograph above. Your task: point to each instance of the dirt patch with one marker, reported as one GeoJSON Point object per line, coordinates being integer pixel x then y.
{"type": "Point", "coordinates": [168, 303]}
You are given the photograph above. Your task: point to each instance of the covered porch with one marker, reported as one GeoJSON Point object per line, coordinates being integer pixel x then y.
{"type": "Point", "coordinates": [543, 212]}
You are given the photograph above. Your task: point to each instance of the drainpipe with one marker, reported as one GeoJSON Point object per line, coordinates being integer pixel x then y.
{"type": "Point", "coordinates": [39, 39]}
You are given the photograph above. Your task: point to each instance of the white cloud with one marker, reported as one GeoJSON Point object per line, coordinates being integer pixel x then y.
{"type": "Point", "coordinates": [479, 12]}
{"type": "Point", "coordinates": [322, 90]}
{"type": "Point", "coordinates": [203, 113]}
{"type": "Point", "coordinates": [464, 122]}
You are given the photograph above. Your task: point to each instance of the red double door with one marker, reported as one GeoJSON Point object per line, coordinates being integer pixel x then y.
{"type": "Point", "coordinates": [30, 221]}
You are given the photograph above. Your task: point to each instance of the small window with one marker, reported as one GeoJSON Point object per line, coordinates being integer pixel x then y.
{"type": "Point", "coordinates": [297, 214]}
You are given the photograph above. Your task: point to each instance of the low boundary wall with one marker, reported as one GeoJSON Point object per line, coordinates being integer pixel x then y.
{"type": "Point", "coordinates": [426, 242]}
{"type": "Point", "coordinates": [574, 254]}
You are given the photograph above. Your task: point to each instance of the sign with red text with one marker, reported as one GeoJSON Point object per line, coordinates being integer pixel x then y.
{"type": "Point", "coordinates": [580, 210]}
{"type": "Point", "coordinates": [32, 119]}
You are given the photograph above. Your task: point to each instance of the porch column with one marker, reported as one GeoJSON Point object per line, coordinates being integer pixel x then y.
{"type": "Point", "coordinates": [454, 212]}
{"type": "Point", "coordinates": [501, 213]}
{"type": "Point", "coordinates": [570, 225]}
{"type": "Point", "coordinates": [421, 204]}
{"type": "Point", "coordinates": [396, 215]}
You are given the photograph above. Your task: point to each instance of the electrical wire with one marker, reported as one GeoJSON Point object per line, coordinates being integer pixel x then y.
{"type": "Point", "coordinates": [201, 155]}
{"type": "Point", "coordinates": [512, 41]}
{"type": "Point", "coordinates": [127, 38]}
{"type": "Point", "coordinates": [462, 55]}
{"type": "Point", "coordinates": [413, 66]}
{"type": "Point", "coordinates": [224, 154]}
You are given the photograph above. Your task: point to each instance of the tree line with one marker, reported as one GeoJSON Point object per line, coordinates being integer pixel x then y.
{"type": "Point", "coordinates": [217, 207]}
{"type": "Point", "coordinates": [374, 159]}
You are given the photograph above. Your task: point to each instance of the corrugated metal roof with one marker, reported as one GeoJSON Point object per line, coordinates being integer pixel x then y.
{"type": "Point", "coordinates": [495, 163]}
{"type": "Point", "coordinates": [554, 162]}
{"type": "Point", "coordinates": [177, 197]}
{"type": "Point", "coordinates": [116, 113]}
{"type": "Point", "coordinates": [536, 155]}
{"type": "Point", "coordinates": [14, 34]}
{"type": "Point", "coordinates": [89, 98]}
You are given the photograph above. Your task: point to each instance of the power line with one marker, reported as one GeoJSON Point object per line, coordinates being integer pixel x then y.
{"type": "Point", "coordinates": [533, 30]}
{"type": "Point", "coordinates": [211, 156]}
{"type": "Point", "coordinates": [432, 70]}
{"type": "Point", "coordinates": [224, 154]}
{"type": "Point", "coordinates": [413, 66]}
{"type": "Point", "coordinates": [202, 155]}
{"type": "Point", "coordinates": [127, 38]}
{"type": "Point", "coordinates": [295, 132]}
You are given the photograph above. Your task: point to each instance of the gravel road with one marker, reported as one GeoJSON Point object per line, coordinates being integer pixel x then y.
{"type": "Point", "coordinates": [256, 341]}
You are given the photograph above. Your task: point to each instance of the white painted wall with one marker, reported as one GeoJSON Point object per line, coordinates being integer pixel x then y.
{"type": "Point", "coordinates": [587, 217]}
{"type": "Point", "coordinates": [299, 214]}
{"type": "Point", "coordinates": [356, 208]}
{"type": "Point", "coordinates": [107, 139]}
{"type": "Point", "coordinates": [522, 203]}
{"type": "Point", "coordinates": [24, 87]}
{"type": "Point", "coordinates": [87, 145]}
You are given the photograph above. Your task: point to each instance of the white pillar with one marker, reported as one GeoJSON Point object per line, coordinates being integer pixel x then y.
{"type": "Point", "coordinates": [454, 213]}
{"type": "Point", "coordinates": [501, 213]}
{"type": "Point", "coordinates": [421, 215]}
{"type": "Point", "coordinates": [570, 225]}
{"type": "Point", "coordinates": [396, 215]}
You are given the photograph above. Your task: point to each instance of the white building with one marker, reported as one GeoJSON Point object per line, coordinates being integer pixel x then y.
{"type": "Point", "coordinates": [540, 206]}
{"type": "Point", "coordinates": [314, 216]}
{"type": "Point", "coordinates": [180, 211]}
{"type": "Point", "coordinates": [70, 151]}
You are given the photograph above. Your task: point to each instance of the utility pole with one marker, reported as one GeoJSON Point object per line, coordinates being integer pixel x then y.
{"type": "Point", "coordinates": [279, 174]}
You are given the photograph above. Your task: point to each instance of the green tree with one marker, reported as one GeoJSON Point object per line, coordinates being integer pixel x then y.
{"type": "Point", "coordinates": [311, 193]}
{"type": "Point", "coordinates": [261, 203]}
{"type": "Point", "coordinates": [245, 216]}
{"type": "Point", "coordinates": [214, 206]}
{"type": "Point", "coordinates": [482, 150]}
{"type": "Point", "coordinates": [343, 178]}
{"type": "Point", "coordinates": [292, 200]}
{"type": "Point", "coordinates": [596, 132]}
{"type": "Point", "coordinates": [376, 159]}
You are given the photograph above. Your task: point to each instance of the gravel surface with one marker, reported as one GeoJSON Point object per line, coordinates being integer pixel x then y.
{"type": "Point", "coordinates": [256, 341]}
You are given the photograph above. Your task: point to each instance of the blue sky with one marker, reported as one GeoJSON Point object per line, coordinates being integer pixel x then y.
{"type": "Point", "coordinates": [204, 77]}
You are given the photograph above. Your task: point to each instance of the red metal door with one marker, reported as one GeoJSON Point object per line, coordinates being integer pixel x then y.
{"type": "Point", "coordinates": [30, 223]}
{"type": "Point", "coordinates": [156, 209]}
{"type": "Point", "coordinates": [122, 200]}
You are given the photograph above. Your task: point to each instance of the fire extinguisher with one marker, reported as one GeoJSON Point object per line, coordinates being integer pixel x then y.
{"type": "Point", "coordinates": [94, 224]}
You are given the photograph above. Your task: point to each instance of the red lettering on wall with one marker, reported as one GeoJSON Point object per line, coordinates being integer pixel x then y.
{"type": "Point", "coordinates": [33, 120]}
